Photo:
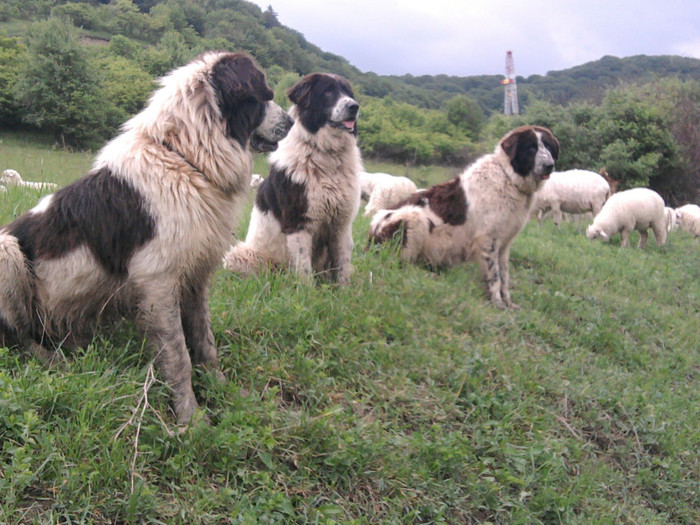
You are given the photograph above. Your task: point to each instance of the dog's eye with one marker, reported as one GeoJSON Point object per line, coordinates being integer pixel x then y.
{"type": "Point", "coordinates": [328, 93]}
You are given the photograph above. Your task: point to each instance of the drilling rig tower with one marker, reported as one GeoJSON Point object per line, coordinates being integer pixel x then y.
{"type": "Point", "coordinates": [510, 102]}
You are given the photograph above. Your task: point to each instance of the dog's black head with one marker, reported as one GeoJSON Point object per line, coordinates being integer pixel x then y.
{"type": "Point", "coordinates": [325, 99]}
{"type": "Point", "coordinates": [246, 103]}
{"type": "Point", "coordinates": [532, 150]}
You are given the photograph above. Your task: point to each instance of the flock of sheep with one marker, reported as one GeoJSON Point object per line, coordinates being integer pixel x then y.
{"type": "Point", "coordinates": [572, 192]}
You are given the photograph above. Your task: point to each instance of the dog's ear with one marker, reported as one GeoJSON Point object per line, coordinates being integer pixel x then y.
{"type": "Point", "coordinates": [300, 93]}
{"type": "Point", "coordinates": [521, 147]}
{"type": "Point", "coordinates": [236, 77]}
{"type": "Point", "coordinates": [550, 142]}
{"type": "Point", "coordinates": [242, 93]}
{"type": "Point", "coordinates": [510, 143]}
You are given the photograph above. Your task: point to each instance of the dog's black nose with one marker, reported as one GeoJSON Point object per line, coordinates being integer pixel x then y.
{"type": "Point", "coordinates": [353, 109]}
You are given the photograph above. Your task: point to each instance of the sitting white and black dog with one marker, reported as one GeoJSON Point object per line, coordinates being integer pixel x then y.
{"type": "Point", "coordinates": [305, 207]}
{"type": "Point", "coordinates": [142, 232]}
{"type": "Point", "coordinates": [478, 214]}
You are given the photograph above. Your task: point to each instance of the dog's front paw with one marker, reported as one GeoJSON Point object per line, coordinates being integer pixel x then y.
{"type": "Point", "coordinates": [498, 303]}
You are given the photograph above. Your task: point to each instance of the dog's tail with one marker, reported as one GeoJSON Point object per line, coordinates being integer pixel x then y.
{"type": "Point", "coordinates": [16, 293]}
{"type": "Point", "coordinates": [244, 259]}
{"type": "Point", "coordinates": [18, 323]}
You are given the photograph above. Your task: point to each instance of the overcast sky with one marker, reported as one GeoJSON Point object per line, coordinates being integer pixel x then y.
{"type": "Point", "coordinates": [471, 37]}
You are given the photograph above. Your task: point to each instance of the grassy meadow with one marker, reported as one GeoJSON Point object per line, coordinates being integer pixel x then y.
{"type": "Point", "coordinates": [403, 398]}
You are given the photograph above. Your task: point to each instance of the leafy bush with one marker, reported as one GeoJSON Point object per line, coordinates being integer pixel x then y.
{"type": "Point", "coordinates": [58, 88]}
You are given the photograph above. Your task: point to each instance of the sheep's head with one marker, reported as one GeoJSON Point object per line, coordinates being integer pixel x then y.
{"type": "Point", "coordinates": [595, 232]}
{"type": "Point", "coordinates": [10, 177]}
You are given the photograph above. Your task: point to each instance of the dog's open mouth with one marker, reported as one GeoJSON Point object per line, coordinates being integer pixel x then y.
{"type": "Point", "coordinates": [347, 125]}
{"type": "Point", "coordinates": [259, 143]}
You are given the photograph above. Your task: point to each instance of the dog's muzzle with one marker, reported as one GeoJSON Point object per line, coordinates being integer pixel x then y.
{"type": "Point", "coordinates": [274, 128]}
{"type": "Point", "coordinates": [345, 117]}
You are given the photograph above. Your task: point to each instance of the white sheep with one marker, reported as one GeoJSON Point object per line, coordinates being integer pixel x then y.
{"type": "Point", "coordinates": [369, 180]}
{"type": "Point", "coordinates": [572, 191]}
{"type": "Point", "coordinates": [688, 218]}
{"type": "Point", "coordinates": [671, 223]}
{"type": "Point", "coordinates": [12, 178]}
{"type": "Point", "coordinates": [636, 209]}
{"type": "Point", "coordinates": [385, 190]}
{"type": "Point", "coordinates": [256, 180]}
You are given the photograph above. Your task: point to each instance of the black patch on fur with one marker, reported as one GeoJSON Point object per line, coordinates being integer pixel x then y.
{"type": "Point", "coordinates": [242, 93]}
{"type": "Point", "coordinates": [285, 198]}
{"type": "Point", "coordinates": [447, 200]}
{"type": "Point", "coordinates": [315, 95]}
{"type": "Point", "coordinates": [522, 150]}
{"type": "Point", "coordinates": [100, 211]}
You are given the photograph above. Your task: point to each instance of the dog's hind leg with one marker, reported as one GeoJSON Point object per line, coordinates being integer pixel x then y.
{"type": "Point", "coordinates": [160, 319]}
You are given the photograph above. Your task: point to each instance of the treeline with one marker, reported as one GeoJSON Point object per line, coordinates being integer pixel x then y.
{"type": "Point", "coordinates": [79, 69]}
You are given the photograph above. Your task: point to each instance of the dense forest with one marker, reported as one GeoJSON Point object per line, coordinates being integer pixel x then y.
{"type": "Point", "coordinates": [78, 69]}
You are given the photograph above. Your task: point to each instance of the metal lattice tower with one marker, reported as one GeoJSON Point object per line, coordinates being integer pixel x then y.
{"type": "Point", "coordinates": [510, 102]}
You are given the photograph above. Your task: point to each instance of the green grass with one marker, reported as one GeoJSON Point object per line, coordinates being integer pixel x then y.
{"type": "Point", "coordinates": [403, 398]}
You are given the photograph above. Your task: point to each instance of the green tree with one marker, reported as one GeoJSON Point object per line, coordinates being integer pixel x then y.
{"type": "Point", "coordinates": [465, 113]}
{"type": "Point", "coordinates": [125, 85]}
{"type": "Point", "coordinates": [10, 52]}
{"type": "Point", "coordinates": [637, 145]}
{"type": "Point", "coordinates": [58, 88]}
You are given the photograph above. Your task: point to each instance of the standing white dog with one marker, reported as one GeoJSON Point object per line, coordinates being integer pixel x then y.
{"type": "Point", "coordinates": [142, 232]}
{"type": "Point", "coordinates": [304, 208]}
{"type": "Point", "coordinates": [479, 213]}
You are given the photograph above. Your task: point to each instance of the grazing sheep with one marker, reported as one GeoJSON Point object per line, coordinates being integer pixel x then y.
{"type": "Point", "coordinates": [688, 218]}
{"type": "Point", "coordinates": [369, 180]}
{"type": "Point", "coordinates": [636, 209]}
{"type": "Point", "coordinates": [572, 191]}
{"type": "Point", "coordinates": [12, 178]}
{"type": "Point", "coordinates": [671, 223]}
{"type": "Point", "coordinates": [384, 190]}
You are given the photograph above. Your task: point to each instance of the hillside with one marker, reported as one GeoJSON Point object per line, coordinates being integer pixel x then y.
{"type": "Point", "coordinates": [243, 25]}
{"type": "Point", "coordinates": [635, 115]}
